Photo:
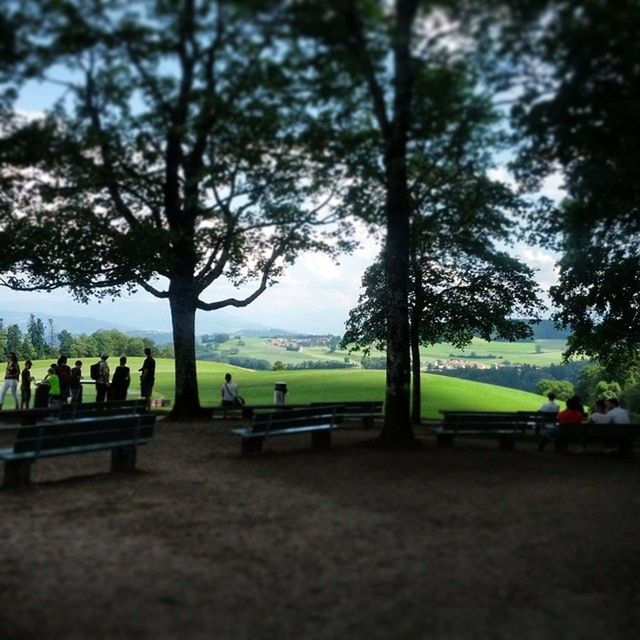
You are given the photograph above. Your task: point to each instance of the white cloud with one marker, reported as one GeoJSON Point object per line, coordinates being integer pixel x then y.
{"type": "Point", "coordinates": [544, 262]}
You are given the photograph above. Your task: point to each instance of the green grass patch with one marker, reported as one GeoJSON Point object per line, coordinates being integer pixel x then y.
{"type": "Point", "coordinates": [438, 392]}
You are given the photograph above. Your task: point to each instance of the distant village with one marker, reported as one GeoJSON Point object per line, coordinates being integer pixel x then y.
{"type": "Point", "coordinates": [455, 361]}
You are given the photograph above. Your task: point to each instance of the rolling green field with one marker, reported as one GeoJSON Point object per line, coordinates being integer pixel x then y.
{"type": "Point", "coordinates": [439, 392]}
{"type": "Point", "coordinates": [550, 352]}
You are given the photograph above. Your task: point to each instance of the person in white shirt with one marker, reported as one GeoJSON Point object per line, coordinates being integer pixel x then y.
{"type": "Point", "coordinates": [599, 413]}
{"type": "Point", "coordinates": [229, 392]}
{"type": "Point", "coordinates": [616, 414]}
{"type": "Point", "coordinates": [551, 406]}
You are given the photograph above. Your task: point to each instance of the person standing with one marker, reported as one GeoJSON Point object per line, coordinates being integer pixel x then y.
{"type": "Point", "coordinates": [64, 373]}
{"type": "Point", "coordinates": [53, 381]}
{"type": "Point", "coordinates": [120, 381]}
{"type": "Point", "coordinates": [25, 385]}
{"type": "Point", "coordinates": [75, 388]}
{"type": "Point", "coordinates": [11, 376]}
{"type": "Point", "coordinates": [148, 376]}
{"type": "Point", "coordinates": [102, 381]}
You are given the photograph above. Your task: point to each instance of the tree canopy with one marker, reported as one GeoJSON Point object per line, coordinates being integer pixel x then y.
{"type": "Point", "coordinates": [580, 116]}
{"type": "Point", "coordinates": [174, 159]}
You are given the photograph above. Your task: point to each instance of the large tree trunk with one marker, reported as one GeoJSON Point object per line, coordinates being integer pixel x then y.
{"type": "Point", "coordinates": [183, 316]}
{"type": "Point", "coordinates": [416, 383]}
{"type": "Point", "coordinates": [397, 430]}
{"type": "Point", "coordinates": [415, 329]}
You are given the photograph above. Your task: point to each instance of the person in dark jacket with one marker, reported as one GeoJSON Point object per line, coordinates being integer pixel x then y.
{"type": "Point", "coordinates": [120, 381]}
{"type": "Point", "coordinates": [148, 376]}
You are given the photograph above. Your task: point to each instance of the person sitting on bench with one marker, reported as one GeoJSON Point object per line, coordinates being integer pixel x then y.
{"type": "Point", "coordinates": [573, 414]}
{"type": "Point", "coordinates": [616, 414]}
{"type": "Point", "coordinates": [229, 393]}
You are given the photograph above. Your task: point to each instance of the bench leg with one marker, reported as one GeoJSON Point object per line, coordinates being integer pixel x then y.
{"type": "Point", "coordinates": [123, 459]}
{"type": "Point", "coordinates": [444, 440]}
{"type": "Point", "coordinates": [17, 473]}
{"type": "Point", "coordinates": [321, 439]}
{"type": "Point", "coordinates": [252, 446]}
{"type": "Point", "coordinates": [367, 422]}
{"type": "Point", "coordinates": [507, 443]}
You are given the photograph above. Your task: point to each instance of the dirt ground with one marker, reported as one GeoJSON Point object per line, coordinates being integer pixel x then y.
{"type": "Point", "coordinates": [468, 542]}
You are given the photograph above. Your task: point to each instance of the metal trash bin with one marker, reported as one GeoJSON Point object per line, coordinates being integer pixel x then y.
{"type": "Point", "coordinates": [279, 392]}
{"type": "Point", "coordinates": [41, 398]}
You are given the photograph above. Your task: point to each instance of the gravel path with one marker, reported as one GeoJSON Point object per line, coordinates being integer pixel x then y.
{"type": "Point", "coordinates": [469, 542]}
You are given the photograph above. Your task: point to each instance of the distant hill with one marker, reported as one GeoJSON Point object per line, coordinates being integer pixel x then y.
{"type": "Point", "coordinates": [207, 324]}
{"type": "Point", "coordinates": [546, 330]}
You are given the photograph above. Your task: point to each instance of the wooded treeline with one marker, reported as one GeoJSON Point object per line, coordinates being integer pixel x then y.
{"type": "Point", "coordinates": [38, 341]}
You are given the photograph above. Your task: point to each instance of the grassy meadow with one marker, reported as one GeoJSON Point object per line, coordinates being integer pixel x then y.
{"type": "Point", "coordinates": [540, 352]}
{"type": "Point", "coordinates": [439, 392]}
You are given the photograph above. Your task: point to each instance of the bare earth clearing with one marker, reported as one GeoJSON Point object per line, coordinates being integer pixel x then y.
{"type": "Point", "coordinates": [351, 543]}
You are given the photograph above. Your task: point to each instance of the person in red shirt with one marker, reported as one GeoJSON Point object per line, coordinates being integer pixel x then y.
{"type": "Point", "coordinates": [573, 414]}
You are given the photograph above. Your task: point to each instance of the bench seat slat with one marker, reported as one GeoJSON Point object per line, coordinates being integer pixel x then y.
{"type": "Point", "coordinates": [9, 454]}
{"type": "Point", "coordinates": [250, 432]}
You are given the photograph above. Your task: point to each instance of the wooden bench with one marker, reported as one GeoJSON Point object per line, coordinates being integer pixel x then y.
{"type": "Point", "coordinates": [621, 436]}
{"type": "Point", "coordinates": [316, 422]}
{"type": "Point", "coordinates": [67, 411]}
{"type": "Point", "coordinates": [112, 408]}
{"type": "Point", "coordinates": [26, 416]}
{"type": "Point", "coordinates": [365, 410]}
{"type": "Point", "coordinates": [120, 434]}
{"type": "Point", "coordinates": [245, 412]}
{"type": "Point", "coordinates": [505, 425]}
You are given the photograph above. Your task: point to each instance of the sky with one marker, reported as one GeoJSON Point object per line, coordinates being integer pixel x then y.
{"type": "Point", "coordinates": [314, 296]}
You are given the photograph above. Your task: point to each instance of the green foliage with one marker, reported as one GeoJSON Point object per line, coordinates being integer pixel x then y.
{"type": "Point", "coordinates": [563, 389]}
{"type": "Point", "coordinates": [581, 113]}
{"type": "Point", "coordinates": [179, 150]}
{"type": "Point", "coordinates": [525, 377]}
{"type": "Point", "coordinates": [13, 339]}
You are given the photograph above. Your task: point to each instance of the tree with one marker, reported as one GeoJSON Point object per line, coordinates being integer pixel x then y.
{"type": "Point", "coordinates": [173, 159]}
{"type": "Point", "coordinates": [460, 285]}
{"type": "Point", "coordinates": [368, 60]}
{"type": "Point", "coordinates": [563, 389]}
{"type": "Point", "coordinates": [66, 342]}
{"type": "Point", "coordinates": [580, 114]}
{"type": "Point", "coordinates": [36, 333]}
{"type": "Point", "coordinates": [14, 340]}
{"type": "Point", "coordinates": [3, 338]}
{"type": "Point", "coordinates": [452, 299]}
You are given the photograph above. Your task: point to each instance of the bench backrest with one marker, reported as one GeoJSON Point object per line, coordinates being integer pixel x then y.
{"type": "Point", "coordinates": [288, 419]}
{"type": "Point", "coordinates": [495, 417]}
{"type": "Point", "coordinates": [135, 404]}
{"type": "Point", "coordinates": [372, 407]}
{"type": "Point", "coordinates": [104, 413]}
{"type": "Point", "coordinates": [26, 416]}
{"type": "Point", "coordinates": [131, 429]}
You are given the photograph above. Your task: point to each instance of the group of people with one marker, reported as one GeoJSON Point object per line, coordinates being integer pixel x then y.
{"type": "Point", "coordinates": [115, 388]}
{"type": "Point", "coordinates": [606, 411]}
{"type": "Point", "coordinates": [64, 382]}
